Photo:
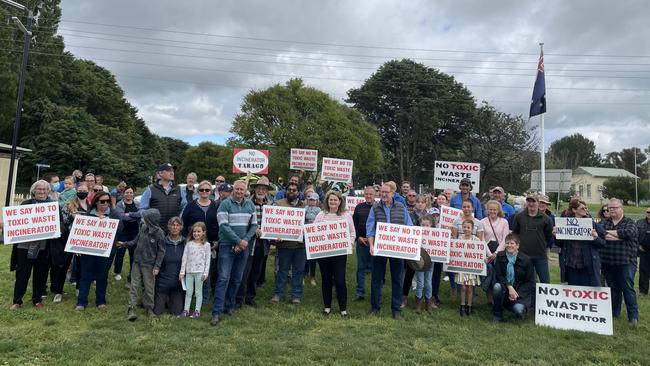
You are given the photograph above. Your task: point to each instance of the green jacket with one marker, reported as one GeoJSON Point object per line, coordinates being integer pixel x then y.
{"type": "Point", "coordinates": [534, 232]}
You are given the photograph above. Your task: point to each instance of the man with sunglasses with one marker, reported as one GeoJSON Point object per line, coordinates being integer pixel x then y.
{"type": "Point", "coordinates": [644, 252]}
{"type": "Point", "coordinates": [163, 195]}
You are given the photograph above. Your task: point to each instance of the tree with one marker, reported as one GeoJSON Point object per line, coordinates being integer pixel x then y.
{"type": "Point", "coordinates": [623, 189]}
{"type": "Point", "coordinates": [207, 160]}
{"type": "Point", "coordinates": [573, 151]}
{"type": "Point", "coordinates": [297, 116]}
{"type": "Point", "coordinates": [624, 159]}
{"type": "Point", "coordinates": [504, 147]}
{"type": "Point", "coordinates": [417, 109]}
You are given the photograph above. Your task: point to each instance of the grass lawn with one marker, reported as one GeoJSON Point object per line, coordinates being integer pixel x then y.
{"type": "Point", "coordinates": [286, 334]}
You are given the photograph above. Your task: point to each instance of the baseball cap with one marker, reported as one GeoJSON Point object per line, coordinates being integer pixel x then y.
{"type": "Point", "coordinates": [314, 196]}
{"type": "Point", "coordinates": [166, 166]}
{"type": "Point", "coordinates": [433, 211]}
{"type": "Point", "coordinates": [543, 199]}
{"type": "Point", "coordinates": [497, 188]}
{"type": "Point", "coordinates": [532, 197]}
{"type": "Point", "coordinates": [225, 187]}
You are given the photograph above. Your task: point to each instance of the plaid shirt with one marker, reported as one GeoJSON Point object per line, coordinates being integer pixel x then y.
{"type": "Point", "coordinates": [619, 252]}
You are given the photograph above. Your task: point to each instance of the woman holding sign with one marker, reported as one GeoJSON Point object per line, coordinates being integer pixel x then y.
{"type": "Point", "coordinates": [579, 259]}
{"type": "Point", "coordinates": [31, 257]}
{"type": "Point", "coordinates": [332, 269]}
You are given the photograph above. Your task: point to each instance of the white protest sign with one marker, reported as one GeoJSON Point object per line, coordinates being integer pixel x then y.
{"type": "Point", "coordinates": [398, 241]}
{"type": "Point", "coordinates": [279, 222]}
{"type": "Point", "coordinates": [327, 239]}
{"type": "Point", "coordinates": [437, 243]}
{"type": "Point", "coordinates": [303, 159]}
{"type": "Point", "coordinates": [587, 309]}
{"type": "Point", "coordinates": [467, 256]}
{"type": "Point", "coordinates": [31, 222]}
{"type": "Point", "coordinates": [336, 170]}
{"type": "Point", "coordinates": [250, 161]}
{"type": "Point", "coordinates": [573, 228]}
{"type": "Point", "coordinates": [92, 235]}
{"type": "Point", "coordinates": [448, 215]}
{"type": "Point", "coordinates": [448, 174]}
{"type": "Point", "coordinates": [352, 202]}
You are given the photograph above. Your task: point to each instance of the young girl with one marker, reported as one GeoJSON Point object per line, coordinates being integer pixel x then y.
{"type": "Point", "coordinates": [465, 280]}
{"type": "Point", "coordinates": [423, 279]}
{"type": "Point", "coordinates": [194, 268]}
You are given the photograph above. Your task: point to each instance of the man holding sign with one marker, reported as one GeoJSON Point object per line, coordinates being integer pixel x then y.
{"type": "Point", "coordinates": [386, 211]}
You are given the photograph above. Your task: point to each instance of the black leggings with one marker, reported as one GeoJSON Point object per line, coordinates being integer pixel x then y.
{"type": "Point", "coordinates": [332, 270]}
{"type": "Point", "coordinates": [24, 268]}
{"type": "Point", "coordinates": [408, 279]}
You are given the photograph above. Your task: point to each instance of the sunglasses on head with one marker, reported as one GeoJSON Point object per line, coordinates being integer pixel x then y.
{"type": "Point", "coordinates": [204, 189]}
{"type": "Point", "coordinates": [103, 201]}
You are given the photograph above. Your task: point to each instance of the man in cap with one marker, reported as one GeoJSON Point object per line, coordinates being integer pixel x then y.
{"type": "Point", "coordinates": [224, 191]}
{"type": "Point", "coordinates": [259, 247]}
{"type": "Point", "coordinates": [498, 194]}
{"type": "Point", "coordinates": [544, 204]}
{"type": "Point", "coordinates": [535, 229]}
{"type": "Point", "coordinates": [293, 179]}
{"type": "Point", "coordinates": [456, 201]}
{"type": "Point", "coordinates": [163, 195]}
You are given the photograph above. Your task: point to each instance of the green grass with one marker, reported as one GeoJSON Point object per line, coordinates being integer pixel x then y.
{"type": "Point", "coordinates": [285, 334]}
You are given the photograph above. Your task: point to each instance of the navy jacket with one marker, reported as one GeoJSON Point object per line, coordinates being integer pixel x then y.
{"type": "Point", "coordinates": [193, 213]}
{"type": "Point", "coordinates": [171, 265]}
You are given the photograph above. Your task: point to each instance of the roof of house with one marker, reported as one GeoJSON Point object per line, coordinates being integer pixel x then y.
{"type": "Point", "coordinates": [604, 172]}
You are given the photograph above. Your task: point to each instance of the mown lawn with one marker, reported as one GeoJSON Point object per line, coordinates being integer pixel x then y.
{"type": "Point", "coordinates": [285, 334]}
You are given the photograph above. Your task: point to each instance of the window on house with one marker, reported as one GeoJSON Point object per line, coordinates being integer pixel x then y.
{"type": "Point", "coordinates": [581, 190]}
{"type": "Point", "coordinates": [588, 190]}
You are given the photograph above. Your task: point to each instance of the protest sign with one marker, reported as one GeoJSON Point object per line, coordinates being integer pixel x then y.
{"type": "Point", "coordinates": [437, 243]}
{"type": "Point", "coordinates": [398, 241]}
{"type": "Point", "coordinates": [92, 235]}
{"type": "Point", "coordinates": [466, 256]}
{"type": "Point", "coordinates": [573, 228]}
{"type": "Point", "coordinates": [352, 202]}
{"type": "Point", "coordinates": [250, 161]}
{"type": "Point", "coordinates": [303, 159]}
{"type": "Point", "coordinates": [336, 170]}
{"type": "Point", "coordinates": [327, 239]}
{"type": "Point", "coordinates": [31, 222]}
{"type": "Point", "coordinates": [448, 215]}
{"type": "Point", "coordinates": [279, 222]}
{"type": "Point", "coordinates": [583, 308]}
{"type": "Point", "coordinates": [448, 174]}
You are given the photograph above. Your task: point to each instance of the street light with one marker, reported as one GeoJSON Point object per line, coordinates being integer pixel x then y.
{"type": "Point", "coordinates": [27, 31]}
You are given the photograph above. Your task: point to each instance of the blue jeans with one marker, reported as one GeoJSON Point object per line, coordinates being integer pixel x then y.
{"type": "Point", "coordinates": [541, 267]}
{"type": "Point", "coordinates": [364, 261]}
{"type": "Point", "coordinates": [620, 279]}
{"type": "Point", "coordinates": [290, 258]}
{"type": "Point", "coordinates": [502, 301]}
{"type": "Point", "coordinates": [378, 272]}
{"type": "Point", "coordinates": [93, 268]}
{"type": "Point", "coordinates": [423, 281]}
{"type": "Point", "coordinates": [230, 271]}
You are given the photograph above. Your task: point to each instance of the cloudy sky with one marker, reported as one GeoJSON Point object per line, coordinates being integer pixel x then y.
{"type": "Point", "coordinates": [186, 65]}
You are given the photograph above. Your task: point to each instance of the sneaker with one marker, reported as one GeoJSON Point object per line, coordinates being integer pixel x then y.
{"type": "Point", "coordinates": [295, 301]}
{"type": "Point", "coordinates": [39, 305]}
{"type": "Point", "coordinates": [79, 308]}
{"type": "Point", "coordinates": [313, 282]}
{"type": "Point", "coordinates": [150, 313]}
{"type": "Point", "coordinates": [196, 314]}
{"type": "Point", "coordinates": [275, 299]}
{"type": "Point", "coordinates": [14, 307]}
{"type": "Point", "coordinates": [102, 307]}
{"type": "Point", "coordinates": [184, 314]}
{"type": "Point", "coordinates": [57, 298]}
{"type": "Point", "coordinates": [446, 278]}
{"type": "Point", "coordinates": [131, 315]}
{"type": "Point", "coordinates": [215, 320]}
{"type": "Point", "coordinates": [118, 277]}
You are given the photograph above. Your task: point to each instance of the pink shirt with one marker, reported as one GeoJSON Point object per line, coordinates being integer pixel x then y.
{"type": "Point", "coordinates": [501, 230]}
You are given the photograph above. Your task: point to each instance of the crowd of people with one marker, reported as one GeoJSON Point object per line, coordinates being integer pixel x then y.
{"type": "Point", "coordinates": [201, 241]}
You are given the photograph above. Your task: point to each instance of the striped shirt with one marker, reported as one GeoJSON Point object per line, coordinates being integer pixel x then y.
{"type": "Point", "coordinates": [237, 221]}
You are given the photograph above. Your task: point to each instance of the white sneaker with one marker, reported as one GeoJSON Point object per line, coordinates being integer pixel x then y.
{"type": "Point", "coordinates": [57, 298]}
{"type": "Point", "coordinates": [118, 277]}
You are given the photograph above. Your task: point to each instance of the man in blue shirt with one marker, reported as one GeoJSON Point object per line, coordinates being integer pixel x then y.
{"type": "Point", "coordinates": [387, 210]}
{"type": "Point", "coordinates": [456, 201]}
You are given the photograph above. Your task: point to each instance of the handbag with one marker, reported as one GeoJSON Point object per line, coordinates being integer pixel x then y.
{"type": "Point", "coordinates": [492, 244]}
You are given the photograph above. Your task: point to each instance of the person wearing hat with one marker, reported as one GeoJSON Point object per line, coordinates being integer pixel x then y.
{"type": "Point", "coordinates": [499, 194]}
{"type": "Point", "coordinates": [544, 204]}
{"type": "Point", "coordinates": [293, 179]}
{"type": "Point", "coordinates": [259, 247]}
{"type": "Point", "coordinates": [535, 229]}
{"type": "Point", "coordinates": [457, 200]}
{"type": "Point", "coordinates": [163, 195]}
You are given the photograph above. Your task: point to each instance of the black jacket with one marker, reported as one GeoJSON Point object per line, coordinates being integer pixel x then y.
{"type": "Point", "coordinates": [524, 282]}
{"type": "Point", "coordinates": [171, 265]}
{"type": "Point", "coordinates": [193, 213]}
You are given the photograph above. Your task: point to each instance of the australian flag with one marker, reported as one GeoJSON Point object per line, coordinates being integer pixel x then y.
{"type": "Point", "coordinates": [538, 103]}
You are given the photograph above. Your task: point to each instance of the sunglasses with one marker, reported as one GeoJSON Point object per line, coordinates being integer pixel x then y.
{"type": "Point", "coordinates": [103, 201]}
{"type": "Point", "coordinates": [411, 195]}
{"type": "Point", "coordinates": [220, 181]}
{"type": "Point", "coordinates": [204, 190]}
{"type": "Point", "coordinates": [648, 212]}
{"type": "Point", "coordinates": [96, 190]}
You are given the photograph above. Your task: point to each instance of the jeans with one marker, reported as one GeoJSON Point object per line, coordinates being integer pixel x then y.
{"type": "Point", "coordinates": [290, 258]}
{"type": "Point", "coordinates": [194, 286]}
{"type": "Point", "coordinates": [93, 268]}
{"type": "Point", "coordinates": [230, 271]}
{"type": "Point", "coordinates": [142, 276]}
{"type": "Point", "coordinates": [364, 261]}
{"type": "Point", "coordinates": [502, 301]}
{"type": "Point", "coordinates": [620, 279]}
{"type": "Point", "coordinates": [644, 271]}
{"type": "Point", "coordinates": [378, 272]}
{"type": "Point", "coordinates": [579, 277]}
{"type": "Point", "coordinates": [541, 267]}
{"type": "Point", "coordinates": [423, 281]}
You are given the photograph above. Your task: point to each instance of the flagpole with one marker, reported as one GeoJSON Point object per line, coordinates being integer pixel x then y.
{"type": "Point", "coordinates": [543, 160]}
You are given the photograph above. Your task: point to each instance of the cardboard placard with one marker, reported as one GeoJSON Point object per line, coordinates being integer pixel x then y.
{"type": "Point", "coordinates": [467, 256]}
{"type": "Point", "coordinates": [303, 159]}
{"type": "Point", "coordinates": [336, 170]}
{"type": "Point", "coordinates": [92, 235]}
{"type": "Point", "coordinates": [448, 174]}
{"type": "Point", "coordinates": [327, 239]}
{"type": "Point", "coordinates": [24, 223]}
{"type": "Point", "coordinates": [352, 202]}
{"type": "Point", "coordinates": [279, 222]}
{"type": "Point", "coordinates": [398, 241]}
{"type": "Point", "coordinates": [437, 243]}
{"type": "Point", "coordinates": [250, 161]}
{"type": "Point", "coordinates": [448, 215]}
{"type": "Point", "coordinates": [583, 308]}
{"type": "Point", "coordinates": [573, 228]}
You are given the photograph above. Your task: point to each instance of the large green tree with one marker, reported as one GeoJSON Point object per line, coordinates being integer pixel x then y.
{"type": "Point", "coordinates": [623, 188]}
{"type": "Point", "coordinates": [419, 111]}
{"type": "Point", "coordinates": [572, 151]}
{"type": "Point", "coordinates": [297, 116]}
{"type": "Point", "coordinates": [624, 159]}
{"type": "Point", "coordinates": [207, 160]}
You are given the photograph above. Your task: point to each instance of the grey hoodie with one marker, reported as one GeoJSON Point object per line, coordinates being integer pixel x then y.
{"type": "Point", "coordinates": [150, 242]}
